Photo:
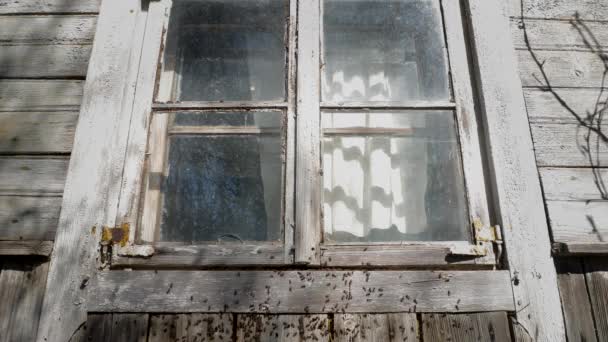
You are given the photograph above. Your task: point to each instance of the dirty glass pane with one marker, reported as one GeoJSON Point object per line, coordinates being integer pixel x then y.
{"type": "Point", "coordinates": [223, 187]}
{"type": "Point", "coordinates": [391, 177]}
{"type": "Point", "coordinates": [379, 50]}
{"type": "Point", "coordinates": [229, 118]}
{"type": "Point", "coordinates": [227, 50]}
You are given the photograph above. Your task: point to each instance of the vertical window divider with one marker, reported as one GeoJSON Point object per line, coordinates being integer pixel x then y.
{"type": "Point", "coordinates": [466, 119]}
{"type": "Point", "coordinates": [308, 157]}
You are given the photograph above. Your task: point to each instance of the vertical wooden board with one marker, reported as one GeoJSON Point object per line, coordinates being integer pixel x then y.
{"type": "Point", "coordinates": [48, 6]}
{"type": "Point", "coordinates": [490, 326]}
{"type": "Point", "coordinates": [575, 301]}
{"type": "Point", "coordinates": [210, 327]}
{"type": "Point", "coordinates": [40, 95]}
{"type": "Point", "coordinates": [376, 327]}
{"type": "Point", "coordinates": [129, 328]}
{"type": "Point", "coordinates": [37, 132]}
{"type": "Point", "coordinates": [40, 61]}
{"type": "Point", "coordinates": [596, 273]}
{"type": "Point", "coordinates": [293, 328]}
{"type": "Point", "coordinates": [98, 328]}
{"type": "Point", "coordinates": [164, 328]}
{"type": "Point", "coordinates": [22, 285]}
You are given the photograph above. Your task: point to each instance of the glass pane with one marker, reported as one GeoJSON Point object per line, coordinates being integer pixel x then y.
{"type": "Point", "coordinates": [234, 118]}
{"type": "Point", "coordinates": [395, 177]}
{"type": "Point", "coordinates": [227, 50]}
{"type": "Point", "coordinates": [223, 187]}
{"type": "Point", "coordinates": [378, 50]}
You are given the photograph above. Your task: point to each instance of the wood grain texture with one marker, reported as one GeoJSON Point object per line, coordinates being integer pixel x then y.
{"type": "Point", "coordinates": [74, 29]}
{"type": "Point", "coordinates": [578, 221]}
{"type": "Point", "coordinates": [41, 176]}
{"type": "Point", "coordinates": [563, 68]}
{"type": "Point", "coordinates": [559, 9]}
{"type": "Point", "coordinates": [40, 95]}
{"type": "Point", "coordinates": [48, 6]}
{"type": "Point", "coordinates": [129, 328]}
{"type": "Point", "coordinates": [517, 192]}
{"type": "Point", "coordinates": [28, 218]}
{"type": "Point", "coordinates": [566, 145]}
{"type": "Point", "coordinates": [96, 160]}
{"type": "Point", "coordinates": [42, 61]}
{"type": "Point", "coordinates": [37, 132]}
{"type": "Point", "coordinates": [21, 291]}
{"type": "Point", "coordinates": [542, 34]}
{"type": "Point", "coordinates": [191, 327]}
{"type": "Point", "coordinates": [572, 183]}
{"type": "Point", "coordinates": [544, 107]}
{"type": "Point", "coordinates": [23, 248]}
{"type": "Point", "coordinates": [596, 273]}
{"type": "Point", "coordinates": [376, 327]}
{"type": "Point", "coordinates": [289, 328]}
{"type": "Point", "coordinates": [489, 326]}
{"type": "Point", "coordinates": [98, 328]}
{"type": "Point", "coordinates": [300, 291]}
{"type": "Point", "coordinates": [575, 302]}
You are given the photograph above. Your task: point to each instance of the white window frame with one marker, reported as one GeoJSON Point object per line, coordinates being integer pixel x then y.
{"type": "Point", "coordinates": [302, 222]}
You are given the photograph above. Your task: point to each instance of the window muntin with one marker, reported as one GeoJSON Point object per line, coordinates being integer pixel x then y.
{"type": "Point", "coordinates": [392, 176]}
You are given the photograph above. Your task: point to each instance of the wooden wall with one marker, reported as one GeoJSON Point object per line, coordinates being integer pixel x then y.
{"type": "Point", "coordinates": [577, 207]}
{"type": "Point", "coordinates": [44, 52]}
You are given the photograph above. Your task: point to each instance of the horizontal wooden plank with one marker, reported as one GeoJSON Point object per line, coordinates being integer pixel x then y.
{"type": "Point", "coordinates": [415, 254]}
{"type": "Point", "coordinates": [573, 183]}
{"type": "Point", "coordinates": [566, 145]}
{"type": "Point", "coordinates": [37, 132]}
{"type": "Point", "coordinates": [543, 106]}
{"type": "Point", "coordinates": [40, 95]}
{"type": "Point", "coordinates": [211, 255]}
{"type": "Point", "coordinates": [563, 68]}
{"type": "Point", "coordinates": [28, 218]}
{"type": "Point", "coordinates": [560, 9]}
{"type": "Point", "coordinates": [557, 34]}
{"type": "Point", "coordinates": [300, 291]}
{"type": "Point", "coordinates": [578, 248]}
{"type": "Point", "coordinates": [578, 221]}
{"type": "Point", "coordinates": [22, 248]}
{"type": "Point", "coordinates": [75, 29]}
{"type": "Point", "coordinates": [48, 6]}
{"type": "Point", "coordinates": [41, 176]}
{"type": "Point", "coordinates": [39, 61]}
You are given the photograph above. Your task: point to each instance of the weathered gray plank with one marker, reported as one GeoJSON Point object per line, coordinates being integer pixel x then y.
{"type": "Point", "coordinates": [563, 68]}
{"type": "Point", "coordinates": [38, 132]}
{"type": "Point", "coordinates": [21, 292]}
{"type": "Point", "coordinates": [40, 95]}
{"type": "Point", "coordinates": [542, 34]}
{"type": "Point", "coordinates": [291, 328]}
{"type": "Point", "coordinates": [191, 327]}
{"type": "Point", "coordinates": [75, 29]}
{"type": "Point", "coordinates": [39, 61]}
{"type": "Point", "coordinates": [48, 6]}
{"type": "Point", "coordinates": [298, 292]}
{"type": "Point", "coordinates": [575, 301]}
{"type": "Point", "coordinates": [98, 328]}
{"type": "Point", "coordinates": [129, 328]}
{"type": "Point", "coordinates": [518, 195]}
{"type": "Point", "coordinates": [573, 183]}
{"type": "Point", "coordinates": [566, 145]}
{"type": "Point", "coordinates": [596, 273]}
{"type": "Point", "coordinates": [32, 175]}
{"type": "Point", "coordinates": [544, 107]}
{"type": "Point", "coordinates": [28, 218]}
{"type": "Point", "coordinates": [578, 221]}
{"type": "Point", "coordinates": [560, 9]}
{"type": "Point", "coordinates": [376, 327]}
{"type": "Point", "coordinates": [490, 326]}
{"type": "Point", "coordinates": [40, 248]}
{"type": "Point", "coordinates": [166, 328]}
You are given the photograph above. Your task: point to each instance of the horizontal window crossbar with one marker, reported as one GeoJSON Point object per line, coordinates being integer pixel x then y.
{"type": "Point", "coordinates": [411, 105]}
{"type": "Point", "coordinates": [187, 130]}
{"type": "Point", "coordinates": [193, 105]}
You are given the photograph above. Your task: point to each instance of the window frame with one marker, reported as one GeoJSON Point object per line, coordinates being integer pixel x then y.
{"type": "Point", "coordinates": [302, 224]}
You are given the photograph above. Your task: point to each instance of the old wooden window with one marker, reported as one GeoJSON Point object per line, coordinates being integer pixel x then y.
{"type": "Point", "coordinates": [325, 132]}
